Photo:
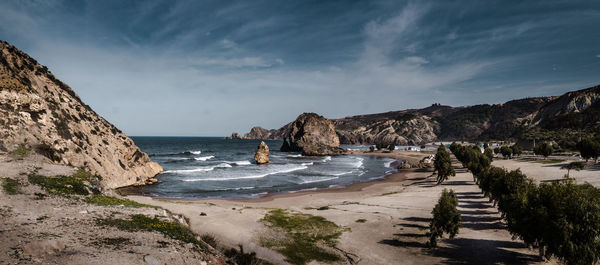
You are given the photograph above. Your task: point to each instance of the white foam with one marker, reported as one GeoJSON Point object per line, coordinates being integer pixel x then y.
{"type": "Point", "coordinates": [223, 165]}
{"type": "Point", "coordinates": [248, 177]}
{"type": "Point", "coordinates": [241, 163]}
{"type": "Point", "coordinates": [296, 155]}
{"type": "Point", "coordinates": [358, 163]}
{"type": "Point", "coordinates": [308, 164]}
{"type": "Point", "coordinates": [204, 158]}
{"type": "Point", "coordinates": [343, 173]}
{"type": "Point", "coordinates": [317, 180]}
{"type": "Point", "coordinates": [196, 152]}
{"type": "Point", "coordinates": [198, 169]}
{"type": "Point", "coordinates": [388, 163]}
{"type": "Point", "coordinates": [185, 171]}
{"type": "Point", "coordinates": [327, 158]}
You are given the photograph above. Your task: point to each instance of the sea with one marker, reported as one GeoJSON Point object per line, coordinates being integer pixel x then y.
{"type": "Point", "coordinates": [217, 168]}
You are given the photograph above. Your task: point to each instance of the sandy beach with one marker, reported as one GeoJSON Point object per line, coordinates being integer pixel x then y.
{"type": "Point", "coordinates": [396, 212]}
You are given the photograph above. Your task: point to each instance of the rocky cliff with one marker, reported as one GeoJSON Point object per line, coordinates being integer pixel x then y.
{"type": "Point", "coordinates": [511, 120]}
{"type": "Point", "coordinates": [39, 112]}
{"type": "Point", "coordinates": [312, 134]}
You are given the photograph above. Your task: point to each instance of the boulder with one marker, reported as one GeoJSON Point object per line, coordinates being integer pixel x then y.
{"type": "Point", "coordinates": [262, 153]}
{"type": "Point", "coordinates": [313, 135]}
{"type": "Point", "coordinates": [235, 136]}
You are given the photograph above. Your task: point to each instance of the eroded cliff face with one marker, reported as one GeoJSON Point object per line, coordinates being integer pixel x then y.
{"type": "Point", "coordinates": [312, 134]}
{"type": "Point", "coordinates": [39, 112]}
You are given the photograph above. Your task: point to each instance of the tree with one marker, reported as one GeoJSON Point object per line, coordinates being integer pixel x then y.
{"type": "Point", "coordinates": [446, 218]}
{"type": "Point", "coordinates": [516, 150]}
{"type": "Point", "coordinates": [506, 151]}
{"type": "Point", "coordinates": [371, 148]}
{"type": "Point", "coordinates": [391, 147]}
{"type": "Point", "coordinates": [589, 148]}
{"type": "Point", "coordinates": [497, 150]}
{"type": "Point", "coordinates": [489, 153]}
{"type": "Point", "coordinates": [544, 149]}
{"type": "Point", "coordinates": [443, 165]}
{"type": "Point", "coordinates": [573, 165]}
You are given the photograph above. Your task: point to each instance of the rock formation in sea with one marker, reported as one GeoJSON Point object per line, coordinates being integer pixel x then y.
{"type": "Point", "coordinates": [235, 136]}
{"type": "Point", "coordinates": [313, 134]}
{"type": "Point", "coordinates": [262, 153]}
{"type": "Point", "coordinates": [40, 113]}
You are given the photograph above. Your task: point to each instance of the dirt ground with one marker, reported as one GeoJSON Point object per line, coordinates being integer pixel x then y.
{"type": "Point", "coordinates": [38, 228]}
{"type": "Point", "coordinates": [397, 211]}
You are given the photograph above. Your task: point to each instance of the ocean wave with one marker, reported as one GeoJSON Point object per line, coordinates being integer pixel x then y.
{"type": "Point", "coordinates": [198, 169]}
{"type": "Point", "coordinates": [249, 176]}
{"type": "Point", "coordinates": [307, 164]}
{"type": "Point", "coordinates": [295, 155]}
{"type": "Point", "coordinates": [325, 159]}
{"type": "Point", "coordinates": [358, 163]}
{"type": "Point", "coordinates": [239, 163]}
{"type": "Point", "coordinates": [204, 158]}
{"type": "Point", "coordinates": [176, 154]}
{"type": "Point", "coordinates": [343, 173]}
{"type": "Point", "coordinates": [388, 163]}
{"type": "Point", "coordinates": [317, 180]}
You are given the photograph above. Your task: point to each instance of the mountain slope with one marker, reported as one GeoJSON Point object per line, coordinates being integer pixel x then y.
{"type": "Point", "coordinates": [572, 111]}
{"type": "Point", "coordinates": [39, 112]}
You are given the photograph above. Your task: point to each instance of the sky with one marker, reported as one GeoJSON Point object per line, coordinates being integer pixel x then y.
{"type": "Point", "coordinates": [210, 68]}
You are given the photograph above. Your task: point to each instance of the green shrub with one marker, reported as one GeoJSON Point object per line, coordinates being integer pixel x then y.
{"type": "Point", "coordinates": [109, 201]}
{"type": "Point", "coordinates": [80, 183]}
{"type": "Point", "coordinates": [19, 153]}
{"type": "Point", "coordinates": [304, 236]}
{"type": "Point", "coordinates": [10, 186]}
{"type": "Point", "coordinates": [140, 222]}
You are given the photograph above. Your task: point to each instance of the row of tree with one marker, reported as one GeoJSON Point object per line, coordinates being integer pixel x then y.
{"type": "Point", "coordinates": [562, 219]}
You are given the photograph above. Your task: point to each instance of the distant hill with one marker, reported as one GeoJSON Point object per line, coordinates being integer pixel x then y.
{"type": "Point", "coordinates": [40, 113]}
{"type": "Point", "coordinates": [530, 118]}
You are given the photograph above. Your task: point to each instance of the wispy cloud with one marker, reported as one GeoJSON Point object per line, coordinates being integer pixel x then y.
{"type": "Point", "coordinates": [203, 68]}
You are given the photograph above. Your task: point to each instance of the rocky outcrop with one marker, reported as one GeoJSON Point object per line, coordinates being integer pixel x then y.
{"type": "Point", "coordinates": [41, 113]}
{"type": "Point", "coordinates": [259, 133]}
{"type": "Point", "coordinates": [313, 134]}
{"type": "Point", "coordinates": [235, 136]}
{"type": "Point", "coordinates": [577, 110]}
{"type": "Point", "coordinates": [262, 154]}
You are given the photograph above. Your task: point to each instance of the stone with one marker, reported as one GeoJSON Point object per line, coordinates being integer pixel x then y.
{"type": "Point", "coordinates": [262, 153]}
{"type": "Point", "coordinates": [313, 135]}
{"type": "Point", "coordinates": [151, 260]}
{"type": "Point", "coordinates": [43, 248]}
{"type": "Point", "coordinates": [235, 136]}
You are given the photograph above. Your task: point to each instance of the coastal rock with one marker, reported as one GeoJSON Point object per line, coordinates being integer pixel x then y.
{"type": "Point", "coordinates": [235, 136]}
{"type": "Point", "coordinates": [259, 133]}
{"type": "Point", "coordinates": [43, 114]}
{"type": "Point", "coordinates": [313, 134]}
{"type": "Point", "coordinates": [262, 154]}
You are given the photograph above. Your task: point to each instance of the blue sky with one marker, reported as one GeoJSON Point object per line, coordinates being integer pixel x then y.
{"type": "Point", "coordinates": [209, 68]}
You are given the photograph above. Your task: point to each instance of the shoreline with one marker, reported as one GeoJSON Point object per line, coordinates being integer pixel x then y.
{"type": "Point", "coordinates": [394, 177]}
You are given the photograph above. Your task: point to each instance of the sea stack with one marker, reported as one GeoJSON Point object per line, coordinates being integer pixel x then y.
{"type": "Point", "coordinates": [312, 135]}
{"type": "Point", "coordinates": [40, 113]}
{"type": "Point", "coordinates": [235, 136]}
{"type": "Point", "coordinates": [262, 153]}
